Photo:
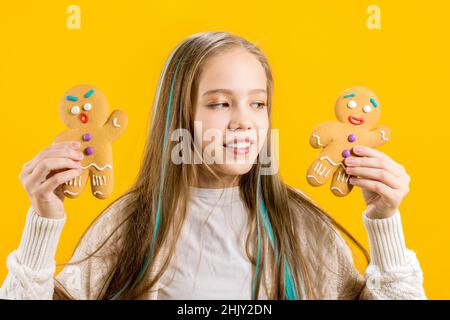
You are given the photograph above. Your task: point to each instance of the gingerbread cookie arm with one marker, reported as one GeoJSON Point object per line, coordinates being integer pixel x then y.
{"type": "Point", "coordinates": [322, 134]}
{"type": "Point", "coordinates": [116, 124]}
{"type": "Point", "coordinates": [378, 136]}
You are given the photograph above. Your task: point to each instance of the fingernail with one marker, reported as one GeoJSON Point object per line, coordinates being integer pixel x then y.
{"type": "Point", "coordinates": [80, 155]}
{"type": "Point", "coordinates": [76, 144]}
{"type": "Point", "coordinates": [359, 149]}
{"type": "Point", "coordinates": [350, 161]}
{"type": "Point", "coordinates": [352, 180]}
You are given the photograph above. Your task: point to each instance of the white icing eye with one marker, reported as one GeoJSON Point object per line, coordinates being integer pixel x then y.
{"type": "Point", "coordinates": [75, 110]}
{"type": "Point", "coordinates": [367, 108]}
{"type": "Point", "coordinates": [352, 104]}
{"type": "Point", "coordinates": [87, 106]}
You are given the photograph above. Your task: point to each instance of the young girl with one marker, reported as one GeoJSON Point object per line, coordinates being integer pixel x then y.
{"type": "Point", "coordinates": [212, 229]}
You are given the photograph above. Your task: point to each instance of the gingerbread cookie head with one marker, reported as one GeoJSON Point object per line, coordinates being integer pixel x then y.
{"type": "Point", "coordinates": [83, 105]}
{"type": "Point", "coordinates": [358, 106]}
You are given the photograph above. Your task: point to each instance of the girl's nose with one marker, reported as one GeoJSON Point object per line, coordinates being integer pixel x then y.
{"type": "Point", "coordinates": [241, 119]}
{"type": "Point", "coordinates": [240, 125]}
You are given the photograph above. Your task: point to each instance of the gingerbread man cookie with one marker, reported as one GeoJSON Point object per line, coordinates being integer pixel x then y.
{"type": "Point", "coordinates": [357, 111]}
{"type": "Point", "coordinates": [84, 109]}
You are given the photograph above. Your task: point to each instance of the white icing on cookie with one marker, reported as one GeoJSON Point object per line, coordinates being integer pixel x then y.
{"type": "Point", "coordinates": [115, 123]}
{"type": "Point", "coordinates": [310, 176]}
{"type": "Point", "coordinates": [317, 140]}
{"type": "Point", "coordinates": [383, 136]}
{"type": "Point", "coordinates": [76, 182]}
{"type": "Point", "coordinates": [87, 106]}
{"type": "Point", "coordinates": [70, 192]}
{"type": "Point", "coordinates": [339, 190]}
{"type": "Point", "coordinates": [324, 169]}
{"type": "Point", "coordinates": [367, 108]}
{"type": "Point", "coordinates": [352, 104]}
{"type": "Point", "coordinates": [98, 180]}
{"type": "Point", "coordinates": [98, 192]}
{"type": "Point", "coordinates": [92, 164]}
{"type": "Point", "coordinates": [317, 167]}
{"type": "Point", "coordinates": [75, 110]}
{"type": "Point", "coordinates": [342, 177]}
{"type": "Point", "coordinates": [331, 161]}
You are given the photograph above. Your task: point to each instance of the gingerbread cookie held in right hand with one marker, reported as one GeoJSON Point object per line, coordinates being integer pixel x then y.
{"type": "Point", "coordinates": [85, 110]}
{"type": "Point", "coordinates": [358, 112]}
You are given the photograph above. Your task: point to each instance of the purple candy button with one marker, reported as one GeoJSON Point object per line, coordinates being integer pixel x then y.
{"type": "Point", "coordinates": [351, 138]}
{"type": "Point", "coordinates": [89, 151]}
{"type": "Point", "coordinates": [87, 137]}
{"type": "Point", "coordinates": [346, 153]}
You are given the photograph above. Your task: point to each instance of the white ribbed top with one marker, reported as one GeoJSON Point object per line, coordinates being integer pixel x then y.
{"type": "Point", "coordinates": [39, 242]}
{"type": "Point", "coordinates": [387, 242]}
{"type": "Point", "coordinates": [210, 260]}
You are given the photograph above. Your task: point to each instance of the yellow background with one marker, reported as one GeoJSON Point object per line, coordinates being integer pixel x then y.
{"type": "Point", "coordinates": [316, 48]}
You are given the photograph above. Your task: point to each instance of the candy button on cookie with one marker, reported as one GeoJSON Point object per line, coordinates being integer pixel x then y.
{"type": "Point", "coordinates": [351, 138]}
{"type": "Point", "coordinates": [75, 110]}
{"type": "Point", "coordinates": [346, 153]}
{"type": "Point", "coordinates": [89, 151]}
{"type": "Point", "coordinates": [87, 137]}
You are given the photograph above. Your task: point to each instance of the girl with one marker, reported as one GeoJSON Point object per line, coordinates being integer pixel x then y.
{"type": "Point", "coordinates": [212, 229]}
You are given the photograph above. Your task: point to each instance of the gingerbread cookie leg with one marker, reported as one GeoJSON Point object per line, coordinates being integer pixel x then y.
{"type": "Point", "coordinates": [74, 187]}
{"type": "Point", "coordinates": [340, 185]}
{"type": "Point", "coordinates": [102, 182]}
{"type": "Point", "coordinates": [321, 170]}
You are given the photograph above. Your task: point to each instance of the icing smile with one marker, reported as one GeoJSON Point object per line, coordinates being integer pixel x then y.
{"type": "Point", "coordinates": [355, 121]}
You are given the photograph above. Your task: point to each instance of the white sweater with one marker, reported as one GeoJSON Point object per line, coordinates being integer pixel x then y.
{"type": "Point", "coordinates": [210, 260]}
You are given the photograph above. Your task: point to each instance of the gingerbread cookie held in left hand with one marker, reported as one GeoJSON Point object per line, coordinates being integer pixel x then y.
{"type": "Point", "coordinates": [85, 110]}
{"type": "Point", "coordinates": [358, 112]}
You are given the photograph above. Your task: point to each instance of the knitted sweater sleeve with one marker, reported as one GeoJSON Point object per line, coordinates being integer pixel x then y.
{"type": "Point", "coordinates": [31, 267]}
{"type": "Point", "coordinates": [394, 271]}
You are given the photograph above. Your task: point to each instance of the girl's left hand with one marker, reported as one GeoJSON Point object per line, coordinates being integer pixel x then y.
{"type": "Point", "coordinates": [384, 182]}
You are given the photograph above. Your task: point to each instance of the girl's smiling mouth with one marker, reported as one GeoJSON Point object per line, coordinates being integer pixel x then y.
{"type": "Point", "coordinates": [239, 146]}
{"type": "Point", "coordinates": [355, 121]}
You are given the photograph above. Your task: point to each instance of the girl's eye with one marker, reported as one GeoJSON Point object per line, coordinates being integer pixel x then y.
{"type": "Point", "coordinates": [352, 104]}
{"type": "Point", "coordinates": [87, 106]}
{"type": "Point", "coordinates": [259, 105]}
{"type": "Point", "coordinates": [75, 110]}
{"type": "Point", "coordinates": [218, 105]}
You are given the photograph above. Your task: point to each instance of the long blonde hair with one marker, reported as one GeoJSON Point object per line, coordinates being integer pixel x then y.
{"type": "Point", "coordinates": [161, 191]}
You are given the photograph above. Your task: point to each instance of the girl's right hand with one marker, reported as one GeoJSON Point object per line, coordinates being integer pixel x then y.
{"type": "Point", "coordinates": [43, 176]}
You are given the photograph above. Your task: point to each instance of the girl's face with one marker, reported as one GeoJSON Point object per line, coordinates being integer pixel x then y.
{"type": "Point", "coordinates": [230, 111]}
